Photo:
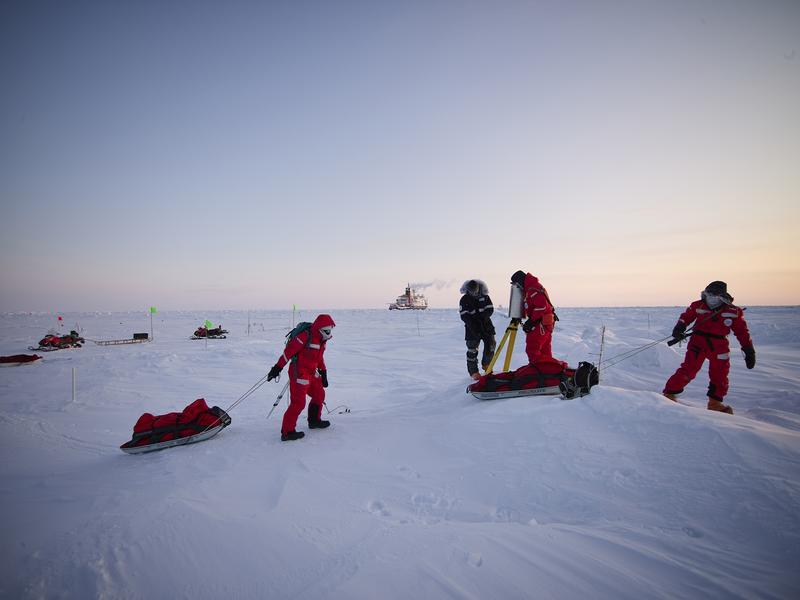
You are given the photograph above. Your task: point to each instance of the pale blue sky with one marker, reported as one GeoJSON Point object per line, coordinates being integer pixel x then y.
{"type": "Point", "coordinates": [264, 154]}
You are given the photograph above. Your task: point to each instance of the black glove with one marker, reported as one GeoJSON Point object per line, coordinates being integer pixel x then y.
{"type": "Point", "coordinates": [749, 357]}
{"type": "Point", "coordinates": [679, 330]}
{"type": "Point", "coordinates": [528, 325]}
{"type": "Point", "coordinates": [324, 375]}
{"type": "Point", "coordinates": [274, 373]}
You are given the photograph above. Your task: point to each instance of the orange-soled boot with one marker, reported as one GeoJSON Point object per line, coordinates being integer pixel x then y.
{"type": "Point", "coordinates": [719, 406]}
{"type": "Point", "coordinates": [669, 396]}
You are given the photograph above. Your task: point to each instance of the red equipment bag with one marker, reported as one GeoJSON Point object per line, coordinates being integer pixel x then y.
{"type": "Point", "coordinates": [195, 418]}
{"type": "Point", "coordinates": [546, 372]}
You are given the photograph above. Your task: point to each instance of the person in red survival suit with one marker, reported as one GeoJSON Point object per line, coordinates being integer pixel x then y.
{"type": "Point", "coordinates": [308, 376]}
{"type": "Point", "coordinates": [540, 315]}
{"type": "Point", "coordinates": [714, 317]}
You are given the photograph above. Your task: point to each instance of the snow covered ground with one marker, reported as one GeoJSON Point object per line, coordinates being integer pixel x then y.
{"type": "Point", "coordinates": [420, 491]}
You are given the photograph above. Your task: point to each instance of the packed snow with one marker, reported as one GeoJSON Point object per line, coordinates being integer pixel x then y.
{"type": "Point", "coordinates": [417, 490]}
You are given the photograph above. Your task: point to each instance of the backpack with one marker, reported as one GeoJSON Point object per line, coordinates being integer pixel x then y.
{"type": "Point", "coordinates": [550, 302]}
{"type": "Point", "coordinates": [585, 377]}
{"type": "Point", "coordinates": [298, 329]}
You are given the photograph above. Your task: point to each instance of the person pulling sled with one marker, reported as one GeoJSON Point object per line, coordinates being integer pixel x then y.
{"type": "Point", "coordinates": [476, 311]}
{"type": "Point", "coordinates": [308, 375]}
{"type": "Point", "coordinates": [714, 317]}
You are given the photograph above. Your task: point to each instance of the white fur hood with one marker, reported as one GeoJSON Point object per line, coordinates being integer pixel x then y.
{"type": "Point", "coordinates": [484, 289]}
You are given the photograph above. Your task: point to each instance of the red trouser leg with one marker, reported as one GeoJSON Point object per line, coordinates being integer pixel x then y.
{"type": "Point", "coordinates": [297, 402]}
{"type": "Point", "coordinates": [317, 394]}
{"type": "Point", "coordinates": [538, 344]}
{"type": "Point", "coordinates": [695, 355]}
{"type": "Point", "coordinates": [718, 369]}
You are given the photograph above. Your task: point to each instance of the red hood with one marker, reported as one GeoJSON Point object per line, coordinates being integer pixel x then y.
{"type": "Point", "coordinates": [532, 281]}
{"type": "Point", "coordinates": [322, 321]}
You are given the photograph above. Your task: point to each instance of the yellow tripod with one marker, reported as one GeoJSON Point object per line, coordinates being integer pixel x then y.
{"type": "Point", "coordinates": [511, 331]}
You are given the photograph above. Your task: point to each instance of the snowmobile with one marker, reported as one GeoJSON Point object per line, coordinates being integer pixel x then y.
{"type": "Point", "coordinates": [52, 342]}
{"type": "Point", "coordinates": [202, 333]}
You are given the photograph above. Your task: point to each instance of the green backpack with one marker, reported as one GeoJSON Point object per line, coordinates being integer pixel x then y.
{"type": "Point", "coordinates": [298, 329]}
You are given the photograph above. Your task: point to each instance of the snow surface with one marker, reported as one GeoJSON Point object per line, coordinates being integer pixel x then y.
{"type": "Point", "coordinates": [420, 491]}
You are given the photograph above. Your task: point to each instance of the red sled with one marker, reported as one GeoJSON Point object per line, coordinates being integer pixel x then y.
{"type": "Point", "coordinates": [18, 359]}
{"type": "Point", "coordinates": [195, 423]}
{"type": "Point", "coordinates": [546, 377]}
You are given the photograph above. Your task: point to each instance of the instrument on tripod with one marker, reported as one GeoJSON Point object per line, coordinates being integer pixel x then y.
{"type": "Point", "coordinates": [515, 313]}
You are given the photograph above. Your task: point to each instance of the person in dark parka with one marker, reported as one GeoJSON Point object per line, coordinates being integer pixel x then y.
{"type": "Point", "coordinates": [476, 312]}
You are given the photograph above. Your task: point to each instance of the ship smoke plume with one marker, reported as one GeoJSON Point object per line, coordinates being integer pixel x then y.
{"type": "Point", "coordinates": [437, 284]}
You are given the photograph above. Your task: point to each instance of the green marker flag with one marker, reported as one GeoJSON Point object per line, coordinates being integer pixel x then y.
{"type": "Point", "coordinates": [152, 312]}
{"type": "Point", "coordinates": [209, 324]}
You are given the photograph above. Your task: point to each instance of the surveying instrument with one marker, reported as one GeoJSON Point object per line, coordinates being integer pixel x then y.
{"type": "Point", "coordinates": [515, 314]}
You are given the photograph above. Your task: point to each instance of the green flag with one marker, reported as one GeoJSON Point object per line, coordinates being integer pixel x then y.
{"type": "Point", "coordinates": [153, 310]}
{"type": "Point", "coordinates": [209, 324]}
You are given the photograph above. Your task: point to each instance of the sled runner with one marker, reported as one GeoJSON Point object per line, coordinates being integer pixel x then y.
{"type": "Point", "coordinates": [196, 423]}
{"type": "Point", "coordinates": [540, 391]}
{"type": "Point", "coordinates": [18, 359]}
{"type": "Point", "coordinates": [547, 377]}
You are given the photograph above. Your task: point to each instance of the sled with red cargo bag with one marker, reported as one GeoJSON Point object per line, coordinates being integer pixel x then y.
{"type": "Point", "coordinates": [545, 377]}
{"type": "Point", "coordinates": [17, 360]}
{"type": "Point", "coordinates": [196, 423]}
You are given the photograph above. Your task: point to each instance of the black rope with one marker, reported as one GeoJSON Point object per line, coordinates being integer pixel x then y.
{"type": "Point", "coordinates": [244, 396]}
{"type": "Point", "coordinates": [615, 360]}
{"type": "Point", "coordinates": [248, 393]}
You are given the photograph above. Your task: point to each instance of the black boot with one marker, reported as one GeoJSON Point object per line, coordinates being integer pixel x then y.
{"type": "Point", "coordinates": [314, 422]}
{"type": "Point", "coordinates": [291, 435]}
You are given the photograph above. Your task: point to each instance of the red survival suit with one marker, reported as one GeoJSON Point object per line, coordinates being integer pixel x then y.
{"type": "Point", "coordinates": [709, 340]}
{"type": "Point", "coordinates": [305, 352]}
{"type": "Point", "coordinates": [539, 310]}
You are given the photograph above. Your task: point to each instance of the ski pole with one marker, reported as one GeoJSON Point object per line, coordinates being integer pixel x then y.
{"type": "Point", "coordinates": [278, 399]}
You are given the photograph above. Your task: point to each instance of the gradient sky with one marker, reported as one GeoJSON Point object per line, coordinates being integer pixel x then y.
{"type": "Point", "coordinates": [323, 154]}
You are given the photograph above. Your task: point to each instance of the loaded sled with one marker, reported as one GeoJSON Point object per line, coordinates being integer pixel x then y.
{"type": "Point", "coordinates": [17, 360]}
{"type": "Point", "coordinates": [546, 377]}
{"type": "Point", "coordinates": [196, 423]}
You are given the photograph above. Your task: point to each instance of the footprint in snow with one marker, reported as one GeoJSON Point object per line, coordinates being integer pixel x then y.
{"type": "Point", "coordinates": [692, 532]}
{"type": "Point", "coordinates": [408, 472]}
{"type": "Point", "coordinates": [376, 507]}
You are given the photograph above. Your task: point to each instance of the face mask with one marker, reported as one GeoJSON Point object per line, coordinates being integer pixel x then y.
{"type": "Point", "coordinates": [326, 333]}
{"type": "Point", "coordinates": [712, 300]}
